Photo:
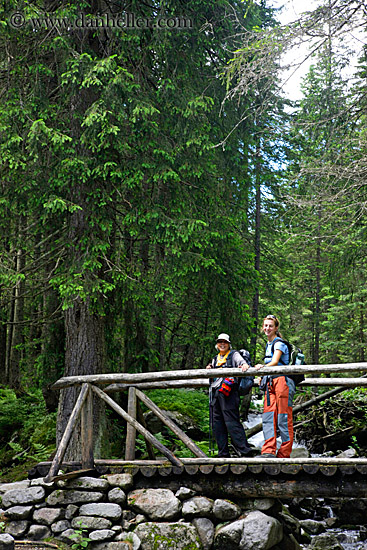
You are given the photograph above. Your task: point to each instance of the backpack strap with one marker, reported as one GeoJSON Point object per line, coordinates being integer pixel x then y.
{"type": "Point", "coordinates": [228, 363]}
{"type": "Point", "coordinates": [279, 339]}
{"type": "Point", "coordinates": [276, 339]}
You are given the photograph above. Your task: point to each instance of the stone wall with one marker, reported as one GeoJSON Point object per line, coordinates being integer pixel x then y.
{"type": "Point", "coordinates": [115, 515]}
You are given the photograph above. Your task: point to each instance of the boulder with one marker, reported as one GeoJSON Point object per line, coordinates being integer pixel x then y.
{"type": "Point", "coordinates": [124, 481]}
{"type": "Point", "coordinates": [139, 518]}
{"type": "Point", "coordinates": [325, 541]}
{"type": "Point", "coordinates": [129, 538]}
{"type": "Point", "coordinates": [18, 512]}
{"type": "Point", "coordinates": [288, 543]}
{"type": "Point", "coordinates": [352, 511]}
{"type": "Point", "coordinates": [87, 483]}
{"type": "Point", "coordinates": [197, 507]}
{"type": "Point", "coordinates": [61, 497]}
{"type": "Point", "coordinates": [262, 504]}
{"type": "Point", "coordinates": [256, 531]}
{"type": "Point", "coordinates": [46, 516]}
{"type": "Point", "coordinates": [111, 546]}
{"type": "Point", "coordinates": [291, 523]}
{"type": "Point", "coordinates": [117, 495]}
{"type": "Point", "coordinates": [39, 482]}
{"type": "Point", "coordinates": [101, 534]}
{"type": "Point", "coordinates": [157, 504]}
{"type": "Point", "coordinates": [91, 523]}
{"type": "Point", "coordinates": [172, 536]}
{"type": "Point", "coordinates": [38, 532]}
{"type": "Point", "coordinates": [311, 526]}
{"type": "Point", "coordinates": [348, 453]}
{"type": "Point", "coordinates": [69, 536]}
{"type": "Point", "coordinates": [17, 528]}
{"type": "Point", "coordinates": [225, 510]}
{"type": "Point", "coordinates": [6, 542]}
{"type": "Point", "coordinates": [20, 485]}
{"type": "Point", "coordinates": [300, 452]}
{"type": "Point", "coordinates": [205, 529]}
{"type": "Point", "coordinates": [71, 511]}
{"type": "Point", "coordinates": [101, 509]}
{"type": "Point", "coordinates": [60, 526]}
{"type": "Point", "coordinates": [184, 493]}
{"type": "Point", "coordinates": [22, 497]}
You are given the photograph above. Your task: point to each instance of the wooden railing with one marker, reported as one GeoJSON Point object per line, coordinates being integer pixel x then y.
{"type": "Point", "coordinates": [135, 383]}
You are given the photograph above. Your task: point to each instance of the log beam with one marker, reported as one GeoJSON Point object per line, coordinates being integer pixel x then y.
{"type": "Point", "coordinates": [171, 425]}
{"type": "Point", "coordinates": [153, 440]}
{"type": "Point", "coordinates": [68, 433]}
{"type": "Point", "coordinates": [129, 378]}
{"type": "Point", "coordinates": [251, 485]}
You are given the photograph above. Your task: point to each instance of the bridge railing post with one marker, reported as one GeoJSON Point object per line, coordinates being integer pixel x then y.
{"type": "Point", "coordinates": [87, 432]}
{"type": "Point", "coordinates": [130, 430]}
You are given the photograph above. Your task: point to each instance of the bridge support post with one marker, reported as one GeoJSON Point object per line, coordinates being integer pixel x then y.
{"type": "Point", "coordinates": [130, 430]}
{"type": "Point", "coordinates": [87, 432]}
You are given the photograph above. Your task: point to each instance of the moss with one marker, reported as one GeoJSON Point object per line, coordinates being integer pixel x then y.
{"type": "Point", "coordinates": [158, 541]}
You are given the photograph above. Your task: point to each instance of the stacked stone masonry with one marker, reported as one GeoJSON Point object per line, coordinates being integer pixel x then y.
{"type": "Point", "coordinates": [114, 515]}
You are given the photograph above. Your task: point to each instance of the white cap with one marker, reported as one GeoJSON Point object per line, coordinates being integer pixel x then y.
{"type": "Point", "coordinates": [225, 337]}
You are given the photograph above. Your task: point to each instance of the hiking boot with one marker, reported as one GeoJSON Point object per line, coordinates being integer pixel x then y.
{"type": "Point", "coordinates": [268, 455]}
{"type": "Point", "coordinates": [251, 454]}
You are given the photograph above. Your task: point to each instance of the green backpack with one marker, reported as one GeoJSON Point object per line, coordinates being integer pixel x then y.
{"type": "Point", "coordinates": [296, 357]}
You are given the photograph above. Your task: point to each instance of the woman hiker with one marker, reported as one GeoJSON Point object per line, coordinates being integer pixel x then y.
{"type": "Point", "coordinates": [225, 400]}
{"type": "Point", "coordinates": [279, 393]}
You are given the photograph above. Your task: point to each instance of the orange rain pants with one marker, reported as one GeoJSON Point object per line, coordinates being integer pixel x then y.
{"type": "Point", "coordinates": [278, 401]}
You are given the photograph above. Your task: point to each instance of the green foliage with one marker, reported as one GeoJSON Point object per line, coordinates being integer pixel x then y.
{"type": "Point", "coordinates": [81, 540]}
{"type": "Point", "coordinates": [27, 431]}
{"type": "Point", "coordinates": [193, 403]}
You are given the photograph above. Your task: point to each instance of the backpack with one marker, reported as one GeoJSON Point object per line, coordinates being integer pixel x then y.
{"type": "Point", "coordinates": [246, 382]}
{"type": "Point", "coordinates": [296, 357]}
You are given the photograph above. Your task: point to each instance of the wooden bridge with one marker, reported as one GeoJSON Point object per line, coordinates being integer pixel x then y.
{"type": "Point", "coordinates": [241, 477]}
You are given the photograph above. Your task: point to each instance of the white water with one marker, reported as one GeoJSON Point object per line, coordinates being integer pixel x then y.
{"type": "Point", "coordinates": [348, 539]}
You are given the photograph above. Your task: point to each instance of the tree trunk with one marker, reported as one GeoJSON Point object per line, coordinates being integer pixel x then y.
{"type": "Point", "coordinates": [316, 351]}
{"type": "Point", "coordinates": [84, 354]}
{"type": "Point", "coordinates": [16, 351]}
{"type": "Point", "coordinates": [255, 301]}
{"type": "Point", "coordinates": [361, 331]}
{"type": "Point", "coordinates": [2, 343]}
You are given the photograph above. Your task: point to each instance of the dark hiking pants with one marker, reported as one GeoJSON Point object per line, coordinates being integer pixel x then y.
{"type": "Point", "coordinates": [226, 421]}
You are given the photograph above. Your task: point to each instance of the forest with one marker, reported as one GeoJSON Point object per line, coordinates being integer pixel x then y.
{"type": "Point", "coordinates": [158, 188]}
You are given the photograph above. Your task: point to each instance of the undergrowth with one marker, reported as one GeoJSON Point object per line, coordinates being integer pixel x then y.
{"type": "Point", "coordinates": [336, 424]}
{"type": "Point", "coordinates": [27, 433]}
{"type": "Point", "coordinates": [193, 403]}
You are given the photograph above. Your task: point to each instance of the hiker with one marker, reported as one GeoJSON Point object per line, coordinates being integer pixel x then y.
{"type": "Point", "coordinates": [279, 393]}
{"type": "Point", "coordinates": [225, 400]}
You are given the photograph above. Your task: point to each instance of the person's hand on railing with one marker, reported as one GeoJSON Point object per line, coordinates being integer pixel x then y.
{"type": "Point", "coordinates": [244, 367]}
{"type": "Point", "coordinates": [209, 366]}
{"type": "Point", "coordinates": [259, 366]}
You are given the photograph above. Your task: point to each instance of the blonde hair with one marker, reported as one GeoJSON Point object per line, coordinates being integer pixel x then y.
{"type": "Point", "coordinates": [276, 322]}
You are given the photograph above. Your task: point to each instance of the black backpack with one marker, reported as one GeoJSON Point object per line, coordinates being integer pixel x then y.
{"type": "Point", "coordinates": [245, 382]}
{"type": "Point", "coordinates": [296, 357]}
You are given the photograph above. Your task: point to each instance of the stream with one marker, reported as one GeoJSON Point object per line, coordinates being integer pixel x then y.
{"type": "Point", "coordinates": [349, 539]}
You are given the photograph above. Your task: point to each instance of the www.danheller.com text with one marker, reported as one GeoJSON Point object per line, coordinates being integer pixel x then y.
{"type": "Point", "coordinates": [124, 20]}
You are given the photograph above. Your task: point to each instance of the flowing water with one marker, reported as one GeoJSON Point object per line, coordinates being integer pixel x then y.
{"type": "Point", "coordinates": [349, 539]}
